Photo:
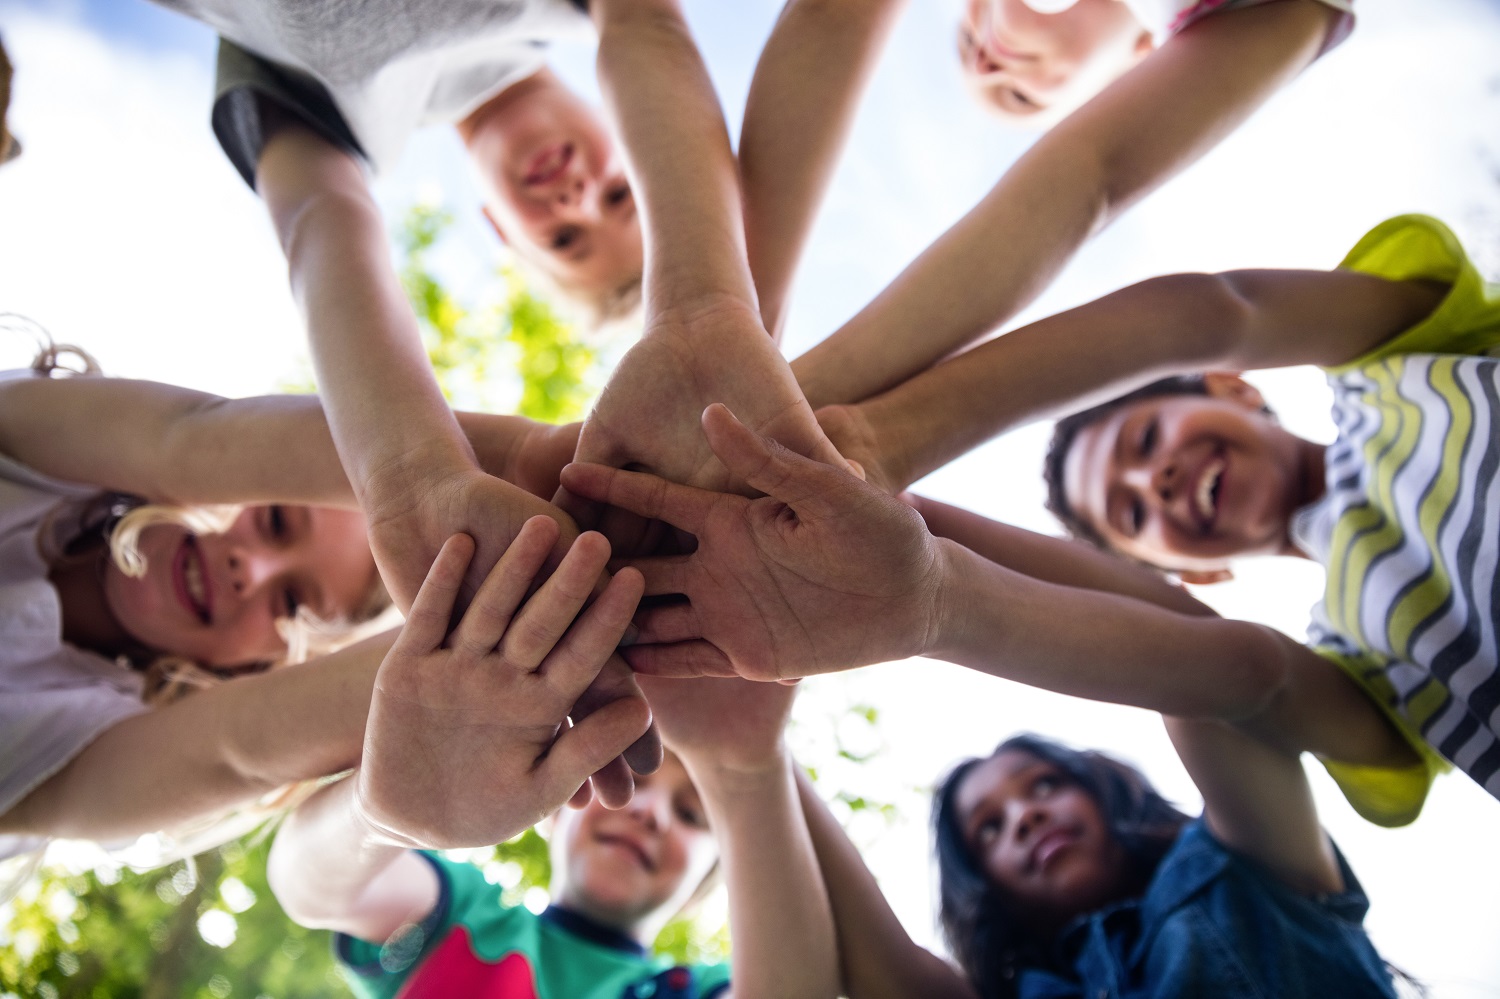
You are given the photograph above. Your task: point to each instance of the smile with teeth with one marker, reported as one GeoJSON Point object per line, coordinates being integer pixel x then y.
{"type": "Point", "coordinates": [193, 581]}
{"type": "Point", "coordinates": [1206, 499]}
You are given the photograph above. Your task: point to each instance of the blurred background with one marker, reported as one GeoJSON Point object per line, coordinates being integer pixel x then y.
{"type": "Point", "coordinates": [124, 229]}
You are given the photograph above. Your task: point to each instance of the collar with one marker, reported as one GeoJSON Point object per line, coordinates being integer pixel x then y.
{"type": "Point", "coordinates": [592, 930]}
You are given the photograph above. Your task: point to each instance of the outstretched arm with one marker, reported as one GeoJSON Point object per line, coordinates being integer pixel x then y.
{"type": "Point", "coordinates": [728, 733]}
{"type": "Point", "coordinates": [1236, 321]}
{"type": "Point", "coordinates": [827, 572]}
{"type": "Point", "coordinates": [1143, 129]}
{"type": "Point", "coordinates": [217, 749]}
{"type": "Point", "coordinates": [877, 959]}
{"type": "Point", "coordinates": [703, 340]}
{"type": "Point", "coordinates": [467, 742]}
{"type": "Point", "coordinates": [801, 105]}
{"type": "Point", "coordinates": [176, 445]}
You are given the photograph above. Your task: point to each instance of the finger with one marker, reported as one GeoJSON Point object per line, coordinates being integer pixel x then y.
{"type": "Point", "coordinates": [505, 587]}
{"type": "Point", "coordinates": [615, 682]}
{"type": "Point", "coordinates": [593, 747]}
{"type": "Point", "coordinates": [809, 487]}
{"type": "Point", "coordinates": [576, 660]}
{"type": "Point", "coordinates": [663, 574]}
{"type": "Point", "coordinates": [654, 498]}
{"type": "Point", "coordinates": [541, 624]}
{"type": "Point", "coordinates": [667, 623]}
{"type": "Point", "coordinates": [645, 754]}
{"type": "Point", "coordinates": [680, 659]}
{"type": "Point", "coordinates": [582, 796]}
{"type": "Point", "coordinates": [613, 783]}
{"type": "Point", "coordinates": [427, 622]}
{"type": "Point", "coordinates": [585, 513]}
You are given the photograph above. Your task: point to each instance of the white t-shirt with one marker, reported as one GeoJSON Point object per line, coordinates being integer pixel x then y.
{"type": "Point", "coordinates": [389, 66]}
{"type": "Point", "coordinates": [54, 699]}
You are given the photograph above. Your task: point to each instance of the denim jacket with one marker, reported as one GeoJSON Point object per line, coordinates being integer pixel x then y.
{"type": "Point", "coordinates": [1213, 923]}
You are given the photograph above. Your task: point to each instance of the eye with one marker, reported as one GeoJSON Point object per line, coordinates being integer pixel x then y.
{"type": "Point", "coordinates": [290, 603]}
{"type": "Point", "coordinates": [1149, 434]}
{"type": "Point", "coordinates": [1022, 101]}
{"type": "Point", "coordinates": [276, 521]}
{"type": "Point", "coordinates": [987, 830]}
{"type": "Point", "coordinates": [565, 237]}
{"type": "Point", "coordinates": [1046, 785]}
{"type": "Point", "coordinates": [691, 815]}
{"type": "Point", "coordinates": [617, 195]}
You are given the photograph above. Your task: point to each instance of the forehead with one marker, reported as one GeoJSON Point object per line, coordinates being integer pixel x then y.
{"type": "Point", "coordinates": [1003, 774]}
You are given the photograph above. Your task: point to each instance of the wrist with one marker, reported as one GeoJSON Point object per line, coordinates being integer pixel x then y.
{"type": "Point", "coordinates": [717, 775]}
{"type": "Point", "coordinates": [949, 602]}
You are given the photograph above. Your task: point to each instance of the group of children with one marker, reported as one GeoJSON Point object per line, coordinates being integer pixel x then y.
{"type": "Point", "coordinates": [159, 563]}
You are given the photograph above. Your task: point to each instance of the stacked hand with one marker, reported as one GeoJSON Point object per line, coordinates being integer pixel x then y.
{"type": "Point", "coordinates": [468, 741]}
{"type": "Point", "coordinates": [648, 417]}
{"type": "Point", "coordinates": [823, 573]}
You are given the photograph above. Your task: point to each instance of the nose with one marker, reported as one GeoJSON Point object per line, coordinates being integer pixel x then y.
{"type": "Point", "coordinates": [1158, 479]}
{"type": "Point", "coordinates": [651, 808]}
{"type": "Point", "coordinates": [252, 566]}
{"type": "Point", "coordinates": [1025, 818]}
{"type": "Point", "coordinates": [579, 192]}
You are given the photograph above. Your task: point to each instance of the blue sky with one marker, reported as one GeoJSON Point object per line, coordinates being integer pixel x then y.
{"type": "Point", "coordinates": [125, 230]}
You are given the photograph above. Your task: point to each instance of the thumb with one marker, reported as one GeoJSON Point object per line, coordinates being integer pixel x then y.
{"type": "Point", "coordinates": [809, 487]}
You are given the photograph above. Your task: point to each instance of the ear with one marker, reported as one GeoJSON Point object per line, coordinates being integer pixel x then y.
{"type": "Point", "coordinates": [1204, 577]}
{"type": "Point", "coordinates": [1230, 387]}
{"type": "Point", "coordinates": [490, 216]}
{"type": "Point", "coordinates": [1144, 45]}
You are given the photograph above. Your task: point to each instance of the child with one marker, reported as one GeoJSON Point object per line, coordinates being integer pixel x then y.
{"type": "Point", "coordinates": [1223, 61]}
{"type": "Point", "coordinates": [464, 728]}
{"type": "Point", "coordinates": [196, 592]}
{"type": "Point", "coordinates": [1065, 873]}
{"type": "Point", "coordinates": [365, 79]}
{"type": "Point", "coordinates": [830, 573]}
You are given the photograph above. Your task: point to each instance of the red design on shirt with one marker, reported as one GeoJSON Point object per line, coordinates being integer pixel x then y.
{"type": "Point", "coordinates": [453, 970]}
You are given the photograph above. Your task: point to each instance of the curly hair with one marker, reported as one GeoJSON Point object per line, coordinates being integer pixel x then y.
{"type": "Point", "coordinates": [983, 930]}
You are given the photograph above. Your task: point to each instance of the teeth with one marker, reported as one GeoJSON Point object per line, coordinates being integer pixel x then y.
{"type": "Point", "coordinates": [192, 574]}
{"type": "Point", "coordinates": [1206, 484]}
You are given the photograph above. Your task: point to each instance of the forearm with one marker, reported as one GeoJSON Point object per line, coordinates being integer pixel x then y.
{"type": "Point", "coordinates": [1142, 130]}
{"type": "Point", "coordinates": [779, 917]}
{"type": "Point", "coordinates": [384, 407]}
{"type": "Point", "coordinates": [330, 870]}
{"type": "Point", "coordinates": [1103, 646]}
{"type": "Point", "coordinates": [798, 113]}
{"type": "Point", "coordinates": [1054, 560]}
{"type": "Point", "coordinates": [682, 168]}
{"type": "Point", "coordinates": [213, 750]}
{"type": "Point", "coordinates": [877, 959]}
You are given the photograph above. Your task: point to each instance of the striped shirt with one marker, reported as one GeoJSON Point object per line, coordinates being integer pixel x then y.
{"type": "Point", "coordinates": [1409, 529]}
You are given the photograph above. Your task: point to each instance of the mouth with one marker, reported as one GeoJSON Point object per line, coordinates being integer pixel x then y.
{"type": "Point", "coordinates": [191, 581]}
{"type": "Point", "coordinates": [1049, 846]}
{"type": "Point", "coordinates": [549, 164]}
{"type": "Point", "coordinates": [1207, 494]}
{"type": "Point", "coordinates": [630, 847]}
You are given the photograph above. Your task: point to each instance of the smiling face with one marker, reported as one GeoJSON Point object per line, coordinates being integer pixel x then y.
{"type": "Point", "coordinates": [557, 189]}
{"type": "Point", "coordinates": [1187, 481]}
{"type": "Point", "coordinates": [628, 866]}
{"type": "Point", "coordinates": [1027, 65]}
{"type": "Point", "coordinates": [216, 598]}
{"type": "Point", "coordinates": [1041, 838]}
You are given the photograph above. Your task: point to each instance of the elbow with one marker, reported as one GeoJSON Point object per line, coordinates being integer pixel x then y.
{"type": "Point", "coordinates": [1257, 671]}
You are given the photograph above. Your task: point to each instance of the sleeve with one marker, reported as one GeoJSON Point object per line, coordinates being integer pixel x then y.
{"type": "Point", "coordinates": [1385, 796]}
{"type": "Point", "coordinates": [43, 729]}
{"type": "Point", "coordinates": [460, 887]}
{"type": "Point", "coordinates": [1420, 248]}
{"type": "Point", "coordinates": [711, 980]}
{"type": "Point", "coordinates": [243, 79]}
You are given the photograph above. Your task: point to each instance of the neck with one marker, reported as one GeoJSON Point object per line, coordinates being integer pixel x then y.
{"type": "Point", "coordinates": [1312, 484]}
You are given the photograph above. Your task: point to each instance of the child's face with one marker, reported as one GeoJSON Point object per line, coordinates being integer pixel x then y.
{"type": "Point", "coordinates": [557, 185]}
{"type": "Point", "coordinates": [216, 598]}
{"type": "Point", "coordinates": [625, 866]}
{"type": "Point", "coordinates": [1024, 64]}
{"type": "Point", "coordinates": [1186, 481]}
{"type": "Point", "coordinates": [1040, 838]}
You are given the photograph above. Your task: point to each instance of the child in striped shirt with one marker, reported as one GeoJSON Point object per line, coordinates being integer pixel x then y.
{"type": "Point", "coordinates": [1188, 470]}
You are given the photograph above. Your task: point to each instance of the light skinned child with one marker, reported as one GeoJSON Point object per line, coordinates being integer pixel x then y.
{"type": "Point", "coordinates": [237, 533]}
{"type": "Point", "coordinates": [1173, 103]}
{"type": "Point", "coordinates": [365, 79]}
{"type": "Point", "coordinates": [462, 726]}
{"type": "Point", "coordinates": [829, 572]}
